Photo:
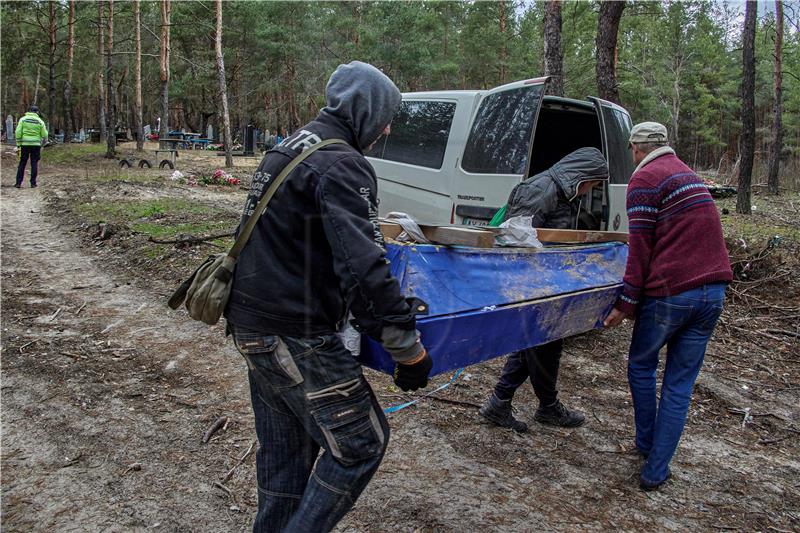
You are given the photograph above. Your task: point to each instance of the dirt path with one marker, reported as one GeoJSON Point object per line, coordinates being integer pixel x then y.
{"type": "Point", "coordinates": [98, 375]}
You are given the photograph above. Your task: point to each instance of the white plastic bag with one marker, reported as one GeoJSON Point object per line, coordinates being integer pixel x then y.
{"type": "Point", "coordinates": [411, 230]}
{"type": "Point", "coordinates": [518, 232]}
{"type": "Point", "coordinates": [351, 338]}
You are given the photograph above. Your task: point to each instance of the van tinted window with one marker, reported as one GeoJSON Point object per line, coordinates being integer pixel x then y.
{"type": "Point", "coordinates": [618, 131]}
{"type": "Point", "coordinates": [501, 133]}
{"type": "Point", "coordinates": [419, 134]}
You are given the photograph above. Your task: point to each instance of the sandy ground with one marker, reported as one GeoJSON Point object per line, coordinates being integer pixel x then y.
{"type": "Point", "coordinates": [106, 395]}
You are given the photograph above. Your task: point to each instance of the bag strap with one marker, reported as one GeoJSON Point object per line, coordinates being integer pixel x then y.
{"type": "Point", "coordinates": [241, 240]}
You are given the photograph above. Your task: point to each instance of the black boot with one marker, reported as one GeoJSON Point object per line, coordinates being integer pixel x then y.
{"type": "Point", "coordinates": [556, 414]}
{"type": "Point", "coordinates": [498, 412]}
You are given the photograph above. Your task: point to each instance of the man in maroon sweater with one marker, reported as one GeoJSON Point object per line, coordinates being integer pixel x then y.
{"type": "Point", "coordinates": [673, 288]}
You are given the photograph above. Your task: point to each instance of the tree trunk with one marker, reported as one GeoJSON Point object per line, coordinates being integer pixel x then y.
{"type": "Point", "coordinates": [777, 127]}
{"type": "Point", "coordinates": [101, 77]}
{"type": "Point", "coordinates": [606, 43]}
{"type": "Point", "coordinates": [553, 54]}
{"type": "Point", "coordinates": [165, 14]}
{"type": "Point", "coordinates": [137, 105]}
{"type": "Point", "coordinates": [747, 140]}
{"type": "Point", "coordinates": [36, 85]}
{"type": "Point", "coordinates": [69, 112]}
{"type": "Point", "coordinates": [223, 91]}
{"type": "Point", "coordinates": [111, 129]}
{"type": "Point", "coordinates": [51, 86]}
{"type": "Point", "coordinates": [503, 42]}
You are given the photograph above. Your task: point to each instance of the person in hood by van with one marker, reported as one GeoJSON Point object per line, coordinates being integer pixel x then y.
{"type": "Point", "coordinates": [673, 287]}
{"type": "Point", "coordinates": [315, 257]}
{"type": "Point", "coordinates": [550, 198]}
{"type": "Point", "coordinates": [31, 132]}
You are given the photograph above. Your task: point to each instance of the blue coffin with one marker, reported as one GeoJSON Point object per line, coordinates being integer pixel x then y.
{"type": "Point", "coordinates": [488, 302]}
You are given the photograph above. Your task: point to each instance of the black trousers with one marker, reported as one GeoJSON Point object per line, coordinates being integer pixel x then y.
{"type": "Point", "coordinates": [540, 364]}
{"type": "Point", "coordinates": [28, 152]}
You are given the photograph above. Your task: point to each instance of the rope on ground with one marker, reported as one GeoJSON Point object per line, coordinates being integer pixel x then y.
{"type": "Point", "coordinates": [398, 407]}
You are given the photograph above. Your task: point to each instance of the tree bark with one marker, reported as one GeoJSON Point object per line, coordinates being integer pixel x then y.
{"type": "Point", "coordinates": [553, 53]}
{"type": "Point", "coordinates": [111, 129]}
{"type": "Point", "coordinates": [777, 126]}
{"type": "Point", "coordinates": [165, 23]}
{"type": "Point", "coordinates": [101, 77]}
{"type": "Point", "coordinates": [606, 43]}
{"type": "Point", "coordinates": [747, 140]}
{"type": "Point", "coordinates": [36, 85]}
{"type": "Point", "coordinates": [223, 91]}
{"type": "Point", "coordinates": [51, 86]}
{"type": "Point", "coordinates": [137, 105]}
{"type": "Point", "coordinates": [69, 112]}
{"type": "Point", "coordinates": [503, 42]}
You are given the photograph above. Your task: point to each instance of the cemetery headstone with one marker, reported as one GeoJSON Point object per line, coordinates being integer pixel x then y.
{"type": "Point", "coordinates": [249, 140]}
{"type": "Point", "coordinates": [10, 129]}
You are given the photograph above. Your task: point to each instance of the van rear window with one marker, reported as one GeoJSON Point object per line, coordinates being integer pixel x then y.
{"type": "Point", "coordinates": [420, 130]}
{"type": "Point", "coordinates": [501, 133]}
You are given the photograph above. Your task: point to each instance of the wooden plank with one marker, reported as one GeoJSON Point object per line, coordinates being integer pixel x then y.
{"type": "Point", "coordinates": [446, 235]}
{"type": "Point", "coordinates": [571, 235]}
{"type": "Point", "coordinates": [459, 235]}
{"type": "Point", "coordinates": [484, 237]}
{"type": "Point", "coordinates": [390, 231]}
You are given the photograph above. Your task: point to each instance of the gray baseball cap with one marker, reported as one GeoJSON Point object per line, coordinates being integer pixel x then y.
{"type": "Point", "coordinates": [648, 132]}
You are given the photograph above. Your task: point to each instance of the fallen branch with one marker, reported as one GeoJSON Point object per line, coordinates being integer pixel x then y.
{"type": "Point", "coordinates": [191, 239]}
{"type": "Point", "coordinates": [219, 423]}
{"type": "Point", "coordinates": [226, 489]}
{"type": "Point", "coordinates": [780, 332]}
{"type": "Point", "coordinates": [54, 315]}
{"type": "Point", "coordinates": [455, 402]}
{"type": "Point", "coordinates": [27, 344]}
{"type": "Point", "coordinates": [242, 459]}
{"type": "Point", "coordinates": [133, 467]}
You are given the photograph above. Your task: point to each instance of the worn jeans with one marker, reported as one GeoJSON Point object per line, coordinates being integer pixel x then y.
{"type": "Point", "coordinates": [684, 323]}
{"type": "Point", "coordinates": [309, 394]}
{"type": "Point", "coordinates": [26, 152]}
{"type": "Point", "coordinates": [540, 364]}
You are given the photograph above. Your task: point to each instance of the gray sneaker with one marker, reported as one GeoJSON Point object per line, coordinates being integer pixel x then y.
{"type": "Point", "coordinates": [498, 412]}
{"type": "Point", "coordinates": [557, 414]}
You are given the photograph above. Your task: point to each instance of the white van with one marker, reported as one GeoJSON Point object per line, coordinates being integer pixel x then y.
{"type": "Point", "coordinates": [454, 156]}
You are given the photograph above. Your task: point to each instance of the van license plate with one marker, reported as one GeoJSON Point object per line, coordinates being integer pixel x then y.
{"type": "Point", "coordinates": [474, 221]}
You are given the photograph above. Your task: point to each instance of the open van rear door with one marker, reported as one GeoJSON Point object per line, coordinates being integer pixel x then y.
{"type": "Point", "coordinates": [497, 152]}
{"type": "Point", "coordinates": [615, 128]}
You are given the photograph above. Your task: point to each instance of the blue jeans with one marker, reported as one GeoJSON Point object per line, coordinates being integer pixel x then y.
{"type": "Point", "coordinates": [309, 394]}
{"type": "Point", "coordinates": [684, 323]}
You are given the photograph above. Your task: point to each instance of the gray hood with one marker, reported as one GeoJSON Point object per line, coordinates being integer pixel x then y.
{"type": "Point", "coordinates": [584, 164]}
{"type": "Point", "coordinates": [364, 98]}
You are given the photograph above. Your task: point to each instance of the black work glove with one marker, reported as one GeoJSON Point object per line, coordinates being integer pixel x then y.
{"type": "Point", "coordinates": [415, 375]}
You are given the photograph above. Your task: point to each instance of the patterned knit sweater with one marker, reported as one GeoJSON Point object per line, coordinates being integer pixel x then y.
{"type": "Point", "coordinates": [675, 242]}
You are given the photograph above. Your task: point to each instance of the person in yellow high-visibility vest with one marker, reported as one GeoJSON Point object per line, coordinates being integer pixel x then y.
{"type": "Point", "coordinates": [31, 132]}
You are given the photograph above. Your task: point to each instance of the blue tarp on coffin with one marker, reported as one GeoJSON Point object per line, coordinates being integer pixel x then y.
{"type": "Point", "coordinates": [488, 302]}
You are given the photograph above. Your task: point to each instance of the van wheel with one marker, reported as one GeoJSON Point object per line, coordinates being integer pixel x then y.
{"type": "Point", "coordinates": [145, 163]}
{"type": "Point", "coordinates": [124, 163]}
{"type": "Point", "coordinates": [166, 163]}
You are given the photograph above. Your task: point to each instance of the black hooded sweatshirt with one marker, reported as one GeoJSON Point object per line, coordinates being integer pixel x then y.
{"type": "Point", "coordinates": [317, 252]}
{"type": "Point", "coordinates": [548, 196]}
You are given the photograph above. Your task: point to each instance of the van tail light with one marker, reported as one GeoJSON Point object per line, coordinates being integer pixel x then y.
{"type": "Point", "coordinates": [453, 214]}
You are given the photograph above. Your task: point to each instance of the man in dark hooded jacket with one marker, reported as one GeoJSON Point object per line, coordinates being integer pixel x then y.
{"type": "Point", "coordinates": [549, 198]}
{"type": "Point", "coordinates": [315, 257]}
